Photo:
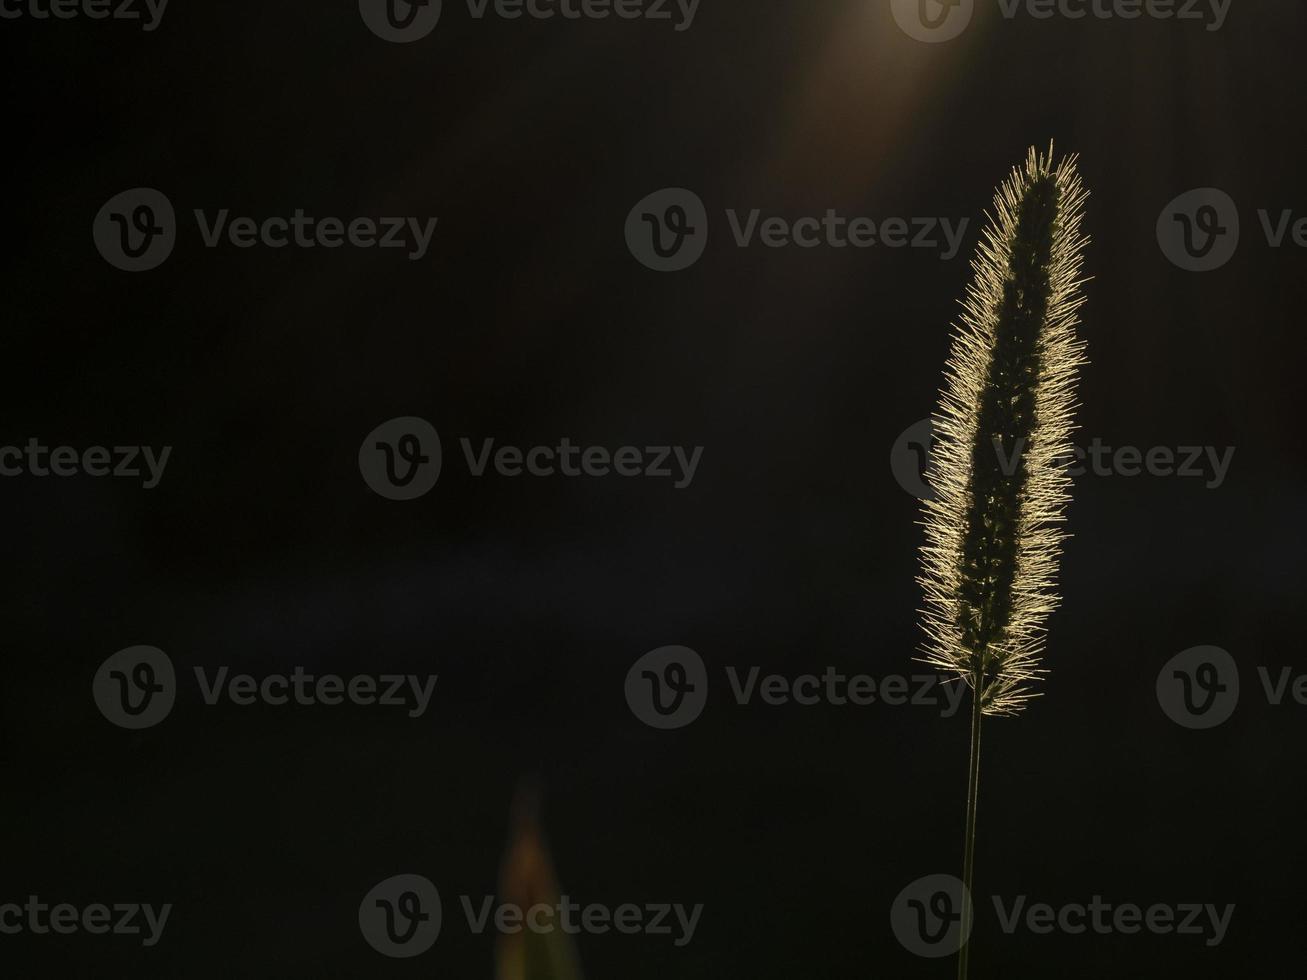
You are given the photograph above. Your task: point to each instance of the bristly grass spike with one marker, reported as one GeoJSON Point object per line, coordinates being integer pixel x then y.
{"type": "Point", "coordinates": [994, 528]}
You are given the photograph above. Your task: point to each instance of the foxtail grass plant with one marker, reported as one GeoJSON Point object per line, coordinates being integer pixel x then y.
{"type": "Point", "coordinates": [994, 528]}
{"type": "Point", "coordinates": [527, 878]}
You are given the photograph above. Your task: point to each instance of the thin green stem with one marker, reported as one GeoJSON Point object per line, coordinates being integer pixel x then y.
{"type": "Point", "coordinates": [969, 847]}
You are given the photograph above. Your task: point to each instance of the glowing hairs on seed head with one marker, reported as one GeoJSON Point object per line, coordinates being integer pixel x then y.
{"type": "Point", "coordinates": [1002, 430]}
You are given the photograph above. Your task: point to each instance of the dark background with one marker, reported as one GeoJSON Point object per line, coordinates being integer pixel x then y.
{"type": "Point", "coordinates": [793, 549]}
